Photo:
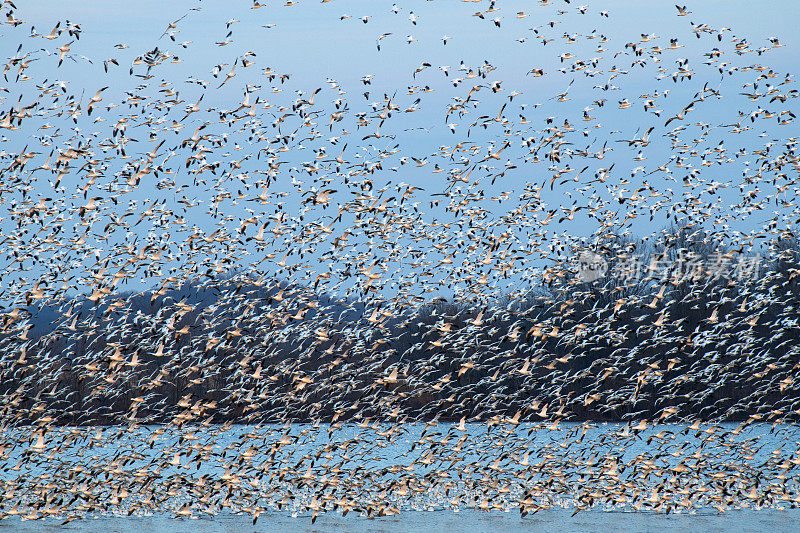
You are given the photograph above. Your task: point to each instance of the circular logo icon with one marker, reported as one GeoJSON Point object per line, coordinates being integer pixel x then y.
{"type": "Point", "coordinates": [591, 266]}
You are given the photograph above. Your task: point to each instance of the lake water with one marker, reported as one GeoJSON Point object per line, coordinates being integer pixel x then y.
{"type": "Point", "coordinates": [548, 520]}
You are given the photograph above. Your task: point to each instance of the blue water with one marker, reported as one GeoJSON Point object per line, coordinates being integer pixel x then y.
{"type": "Point", "coordinates": [548, 520]}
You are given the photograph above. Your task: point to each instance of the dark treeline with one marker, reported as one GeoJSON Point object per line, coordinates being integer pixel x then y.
{"type": "Point", "coordinates": [667, 347]}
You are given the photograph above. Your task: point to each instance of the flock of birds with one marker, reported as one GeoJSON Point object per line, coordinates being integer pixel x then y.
{"type": "Point", "coordinates": [398, 325]}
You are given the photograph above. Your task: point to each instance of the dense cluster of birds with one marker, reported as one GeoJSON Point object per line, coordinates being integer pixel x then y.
{"type": "Point", "coordinates": [233, 292]}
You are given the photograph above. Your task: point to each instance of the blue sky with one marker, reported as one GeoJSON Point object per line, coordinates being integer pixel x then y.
{"type": "Point", "coordinates": [310, 43]}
